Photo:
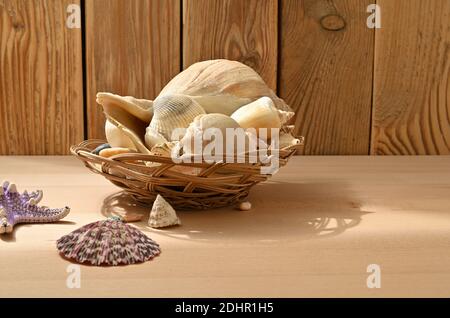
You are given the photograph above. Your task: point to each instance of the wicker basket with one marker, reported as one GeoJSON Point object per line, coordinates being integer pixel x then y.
{"type": "Point", "coordinates": [212, 185]}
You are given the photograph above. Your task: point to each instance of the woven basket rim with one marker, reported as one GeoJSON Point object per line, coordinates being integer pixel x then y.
{"type": "Point", "coordinates": [185, 185]}
{"type": "Point", "coordinates": [82, 148]}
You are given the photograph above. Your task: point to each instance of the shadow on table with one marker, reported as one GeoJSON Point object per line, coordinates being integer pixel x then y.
{"type": "Point", "coordinates": [11, 237]}
{"type": "Point", "coordinates": [281, 212]}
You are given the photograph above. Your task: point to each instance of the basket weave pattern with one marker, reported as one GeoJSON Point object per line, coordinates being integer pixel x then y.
{"type": "Point", "coordinates": [196, 186]}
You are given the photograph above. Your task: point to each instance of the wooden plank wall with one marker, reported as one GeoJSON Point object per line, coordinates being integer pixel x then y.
{"type": "Point", "coordinates": [41, 85]}
{"type": "Point", "coordinates": [326, 70]}
{"type": "Point", "coordinates": [355, 90]}
{"type": "Point", "coordinates": [132, 48]}
{"type": "Point", "coordinates": [411, 110]}
{"type": "Point", "coordinates": [246, 31]}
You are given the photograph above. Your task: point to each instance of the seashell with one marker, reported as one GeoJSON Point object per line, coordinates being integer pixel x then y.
{"type": "Point", "coordinates": [288, 129]}
{"type": "Point", "coordinates": [164, 149]}
{"type": "Point", "coordinates": [127, 118]}
{"type": "Point", "coordinates": [116, 137]}
{"type": "Point", "coordinates": [129, 217]}
{"type": "Point", "coordinates": [97, 150]}
{"type": "Point", "coordinates": [109, 242]}
{"type": "Point", "coordinates": [197, 128]}
{"type": "Point", "coordinates": [222, 86]}
{"type": "Point", "coordinates": [113, 104]}
{"type": "Point", "coordinates": [221, 122]}
{"type": "Point", "coordinates": [245, 206]}
{"type": "Point", "coordinates": [134, 133]}
{"type": "Point", "coordinates": [109, 152]}
{"type": "Point", "coordinates": [162, 214]}
{"type": "Point", "coordinates": [287, 140]}
{"type": "Point", "coordinates": [259, 114]}
{"type": "Point", "coordinates": [170, 112]}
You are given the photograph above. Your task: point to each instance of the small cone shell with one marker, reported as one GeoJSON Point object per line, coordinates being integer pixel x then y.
{"type": "Point", "coordinates": [162, 214]}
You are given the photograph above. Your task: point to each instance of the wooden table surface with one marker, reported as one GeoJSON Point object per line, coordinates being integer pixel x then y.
{"type": "Point", "coordinates": [313, 230]}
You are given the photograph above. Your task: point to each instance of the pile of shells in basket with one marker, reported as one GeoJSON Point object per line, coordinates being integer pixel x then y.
{"type": "Point", "coordinates": [160, 146]}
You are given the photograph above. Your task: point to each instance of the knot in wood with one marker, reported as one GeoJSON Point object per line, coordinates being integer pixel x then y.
{"type": "Point", "coordinates": [333, 22]}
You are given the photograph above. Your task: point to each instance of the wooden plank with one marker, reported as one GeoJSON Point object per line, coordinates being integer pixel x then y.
{"type": "Point", "coordinates": [232, 29]}
{"type": "Point", "coordinates": [41, 90]}
{"type": "Point", "coordinates": [132, 48]}
{"type": "Point", "coordinates": [326, 69]}
{"type": "Point", "coordinates": [411, 114]}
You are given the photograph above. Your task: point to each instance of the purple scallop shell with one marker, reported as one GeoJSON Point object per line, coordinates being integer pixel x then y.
{"type": "Point", "coordinates": [108, 242]}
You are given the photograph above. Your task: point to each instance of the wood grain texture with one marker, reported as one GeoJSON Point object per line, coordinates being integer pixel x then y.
{"type": "Point", "coordinates": [312, 231]}
{"type": "Point", "coordinates": [411, 114]}
{"type": "Point", "coordinates": [41, 90]}
{"type": "Point", "coordinates": [132, 48]}
{"type": "Point", "coordinates": [245, 31]}
{"type": "Point", "coordinates": [326, 70]}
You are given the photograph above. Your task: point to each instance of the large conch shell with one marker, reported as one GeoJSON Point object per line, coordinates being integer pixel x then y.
{"type": "Point", "coordinates": [170, 112]}
{"type": "Point", "coordinates": [222, 86]}
{"type": "Point", "coordinates": [127, 119]}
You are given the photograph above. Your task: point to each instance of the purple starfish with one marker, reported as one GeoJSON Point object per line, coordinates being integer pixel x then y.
{"type": "Point", "coordinates": [21, 208]}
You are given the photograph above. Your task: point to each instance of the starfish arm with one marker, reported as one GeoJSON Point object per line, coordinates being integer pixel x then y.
{"type": "Point", "coordinates": [34, 214]}
{"type": "Point", "coordinates": [35, 195]}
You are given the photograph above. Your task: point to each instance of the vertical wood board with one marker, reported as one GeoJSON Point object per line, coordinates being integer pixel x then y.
{"type": "Point", "coordinates": [411, 114]}
{"type": "Point", "coordinates": [245, 31]}
{"type": "Point", "coordinates": [326, 70]}
{"type": "Point", "coordinates": [132, 48]}
{"type": "Point", "coordinates": [41, 85]}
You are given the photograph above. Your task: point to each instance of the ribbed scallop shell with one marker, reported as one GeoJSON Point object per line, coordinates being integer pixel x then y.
{"type": "Point", "coordinates": [171, 112]}
{"type": "Point", "coordinates": [108, 242]}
